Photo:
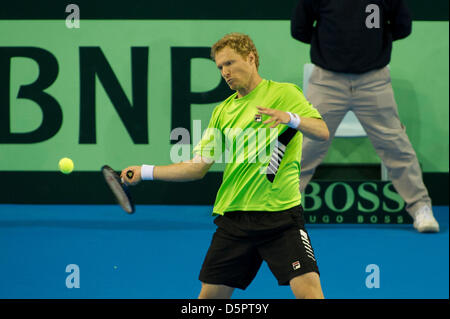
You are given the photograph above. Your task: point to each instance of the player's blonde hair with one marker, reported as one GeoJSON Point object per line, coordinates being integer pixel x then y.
{"type": "Point", "coordinates": [239, 42]}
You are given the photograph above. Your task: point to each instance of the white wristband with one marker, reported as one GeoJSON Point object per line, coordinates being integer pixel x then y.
{"type": "Point", "coordinates": [147, 172]}
{"type": "Point", "coordinates": [295, 120]}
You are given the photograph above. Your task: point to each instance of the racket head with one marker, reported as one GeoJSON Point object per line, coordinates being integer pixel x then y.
{"type": "Point", "coordinates": [120, 190]}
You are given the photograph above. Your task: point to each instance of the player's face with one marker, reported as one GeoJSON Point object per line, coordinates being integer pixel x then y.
{"type": "Point", "coordinates": [236, 70]}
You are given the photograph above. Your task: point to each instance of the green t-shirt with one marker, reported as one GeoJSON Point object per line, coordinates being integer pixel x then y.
{"type": "Point", "coordinates": [236, 137]}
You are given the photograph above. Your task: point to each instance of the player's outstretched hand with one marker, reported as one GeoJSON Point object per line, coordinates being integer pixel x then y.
{"type": "Point", "coordinates": [277, 116]}
{"type": "Point", "coordinates": [131, 175]}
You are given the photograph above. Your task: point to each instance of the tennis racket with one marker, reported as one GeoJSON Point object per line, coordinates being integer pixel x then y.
{"type": "Point", "coordinates": [119, 189]}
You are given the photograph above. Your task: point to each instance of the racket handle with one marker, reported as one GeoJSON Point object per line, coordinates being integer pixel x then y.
{"type": "Point", "coordinates": [130, 174]}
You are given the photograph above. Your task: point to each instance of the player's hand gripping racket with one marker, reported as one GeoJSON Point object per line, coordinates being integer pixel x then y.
{"type": "Point", "coordinates": [119, 189]}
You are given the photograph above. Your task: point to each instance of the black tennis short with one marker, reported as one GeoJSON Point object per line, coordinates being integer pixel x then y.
{"type": "Point", "coordinates": [243, 240]}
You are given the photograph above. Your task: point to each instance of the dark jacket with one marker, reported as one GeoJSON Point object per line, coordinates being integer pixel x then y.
{"type": "Point", "coordinates": [344, 34]}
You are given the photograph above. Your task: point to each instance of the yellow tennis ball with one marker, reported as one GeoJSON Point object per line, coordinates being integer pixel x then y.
{"type": "Point", "coordinates": [65, 165]}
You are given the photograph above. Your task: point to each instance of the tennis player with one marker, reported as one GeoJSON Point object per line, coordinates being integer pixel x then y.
{"type": "Point", "coordinates": [260, 217]}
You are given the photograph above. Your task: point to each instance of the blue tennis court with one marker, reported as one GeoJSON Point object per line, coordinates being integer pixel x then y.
{"type": "Point", "coordinates": [157, 253]}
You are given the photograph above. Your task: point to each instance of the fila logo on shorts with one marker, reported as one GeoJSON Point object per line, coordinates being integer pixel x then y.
{"type": "Point", "coordinates": [296, 265]}
{"type": "Point", "coordinates": [307, 245]}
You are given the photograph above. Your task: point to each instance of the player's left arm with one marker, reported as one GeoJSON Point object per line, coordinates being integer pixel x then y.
{"type": "Point", "coordinates": [312, 127]}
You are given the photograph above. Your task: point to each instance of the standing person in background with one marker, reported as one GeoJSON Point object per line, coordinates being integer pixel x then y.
{"type": "Point", "coordinates": [351, 44]}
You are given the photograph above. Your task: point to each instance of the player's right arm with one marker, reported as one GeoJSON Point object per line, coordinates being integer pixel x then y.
{"type": "Point", "coordinates": [191, 170]}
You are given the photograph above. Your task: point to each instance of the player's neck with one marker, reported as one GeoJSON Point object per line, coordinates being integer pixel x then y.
{"type": "Point", "coordinates": [253, 83]}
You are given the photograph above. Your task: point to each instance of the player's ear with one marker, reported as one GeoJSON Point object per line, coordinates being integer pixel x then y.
{"type": "Point", "coordinates": [251, 58]}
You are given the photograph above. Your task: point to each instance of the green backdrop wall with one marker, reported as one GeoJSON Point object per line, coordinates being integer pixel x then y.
{"type": "Point", "coordinates": [116, 88]}
{"type": "Point", "coordinates": [419, 71]}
